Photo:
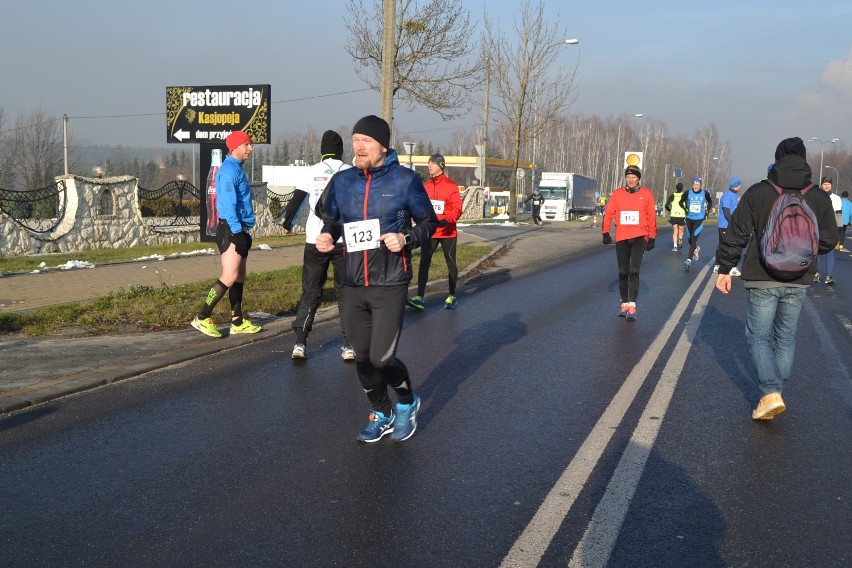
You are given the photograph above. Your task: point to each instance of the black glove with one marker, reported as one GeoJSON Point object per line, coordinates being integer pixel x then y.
{"type": "Point", "coordinates": [443, 223]}
{"type": "Point", "coordinates": [607, 240]}
{"type": "Point", "coordinates": [242, 242]}
{"type": "Point", "coordinates": [649, 245]}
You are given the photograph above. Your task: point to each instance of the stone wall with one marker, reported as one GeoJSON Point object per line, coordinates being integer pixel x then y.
{"type": "Point", "coordinates": [473, 203]}
{"type": "Point", "coordinates": [104, 213]}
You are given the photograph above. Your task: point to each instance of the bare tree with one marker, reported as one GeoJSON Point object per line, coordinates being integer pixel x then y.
{"type": "Point", "coordinates": [37, 140]}
{"type": "Point", "coordinates": [432, 66]}
{"type": "Point", "coordinates": [6, 151]}
{"type": "Point", "coordinates": [464, 143]}
{"type": "Point", "coordinates": [707, 154]}
{"type": "Point", "coordinates": [529, 95]}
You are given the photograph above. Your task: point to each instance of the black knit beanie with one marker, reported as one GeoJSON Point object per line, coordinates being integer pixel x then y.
{"type": "Point", "coordinates": [331, 145]}
{"type": "Point", "coordinates": [374, 127]}
{"type": "Point", "coordinates": [438, 159]}
{"type": "Point", "coordinates": [793, 146]}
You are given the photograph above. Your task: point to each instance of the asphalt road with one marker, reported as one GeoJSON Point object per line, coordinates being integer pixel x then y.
{"type": "Point", "coordinates": [552, 433]}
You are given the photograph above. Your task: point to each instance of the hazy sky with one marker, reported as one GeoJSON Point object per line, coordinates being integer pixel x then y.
{"type": "Point", "coordinates": [761, 71]}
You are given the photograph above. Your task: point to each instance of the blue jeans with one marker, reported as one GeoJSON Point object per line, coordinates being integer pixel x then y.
{"type": "Point", "coordinates": [773, 315]}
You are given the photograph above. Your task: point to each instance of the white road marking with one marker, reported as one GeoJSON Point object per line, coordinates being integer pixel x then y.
{"type": "Point", "coordinates": [595, 548]}
{"type": "Point", "coordinates": [833, 361]}
{"type": "Point", "coordinates": [536, 537]}
{"type": "Point", "coordinates": [845, 321]}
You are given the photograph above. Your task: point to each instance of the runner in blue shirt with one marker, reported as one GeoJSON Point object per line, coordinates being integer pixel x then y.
{"type": "Point", "coordinates": [727, 204]}
{"type": "Point", "coordinates": [236, 218]}
{"type": "Point", "coordinates": [697, 204]}
{"type": "Point", "coordinates": [846, 213]}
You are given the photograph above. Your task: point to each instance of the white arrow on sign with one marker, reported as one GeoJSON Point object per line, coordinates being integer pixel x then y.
{"type": "Point", "coordinates": [181, 135]}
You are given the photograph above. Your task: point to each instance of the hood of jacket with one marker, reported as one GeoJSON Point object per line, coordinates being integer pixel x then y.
{"type": "Point", "coordinates": [791, 172]}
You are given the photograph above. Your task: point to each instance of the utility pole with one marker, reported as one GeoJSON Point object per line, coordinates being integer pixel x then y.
{"type": "Point", "coordinates": [484, 180]}
{"type": "Point", "coordinates": [65, 140]}
{"type": "Point", "coordinates": [388, 56]}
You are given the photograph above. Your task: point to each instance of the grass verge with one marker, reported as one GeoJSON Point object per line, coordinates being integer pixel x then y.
{"type": "Point", "coordinates": [146, 308]}
{"type": "Point", "coordinates": [32, 262]}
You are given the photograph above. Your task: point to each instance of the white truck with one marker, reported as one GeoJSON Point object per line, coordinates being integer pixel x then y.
{"type": "Point", "coordinates": [283, 179]}
{"type": "Point", "coordinates": [567, 196]}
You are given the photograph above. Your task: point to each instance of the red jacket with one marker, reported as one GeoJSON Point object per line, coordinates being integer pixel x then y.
{"type": "Point", "coordinates": [444, 193]}
{"type": "Point", "coordinates": [634, 214]}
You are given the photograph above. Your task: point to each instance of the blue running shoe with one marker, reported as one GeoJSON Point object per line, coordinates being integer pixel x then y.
{"type": "Point", "coordinates": [416, 302]}
{"type": "Point", "coordinates": [450, 303]}
{"type": "Point", "coordinates": [377, 428]}
{"type": "Point", "coordinates": [686, 264]}
{"type": "Point", "coordinates": [624, 310]}
{"type": "Point", "coordinates": [405, 422]}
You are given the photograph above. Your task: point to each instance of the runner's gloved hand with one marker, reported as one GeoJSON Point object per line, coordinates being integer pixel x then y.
{"type": "Point", "coordinates": [242, 242]}
{"type": "Point", "coordinates": [649, 245]}
{"type": "Point", "coordinates": [443, 223]}
{"type": "Point", "coordinates": [607, 240]}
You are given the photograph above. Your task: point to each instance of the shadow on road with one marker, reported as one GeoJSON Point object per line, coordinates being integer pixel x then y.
{"type": "Point", "coordinates": [480, 343]}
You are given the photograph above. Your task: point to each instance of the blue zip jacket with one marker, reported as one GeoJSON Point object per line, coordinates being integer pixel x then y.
{"type": "Point", "coordinates": [395, 196]}
{"type": "Point", "coordinates": [233, 196]}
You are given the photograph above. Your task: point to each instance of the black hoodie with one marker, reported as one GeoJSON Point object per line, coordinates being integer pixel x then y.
{"type": "Point", "coordinates": [790, 172]}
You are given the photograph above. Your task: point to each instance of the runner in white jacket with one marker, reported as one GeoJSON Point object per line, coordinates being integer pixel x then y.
{"type": "Point", "coordinates": [315, 263]}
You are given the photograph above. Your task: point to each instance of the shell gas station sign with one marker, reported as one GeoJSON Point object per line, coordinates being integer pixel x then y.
{"type": "Point", "coordinates": [633, 159]}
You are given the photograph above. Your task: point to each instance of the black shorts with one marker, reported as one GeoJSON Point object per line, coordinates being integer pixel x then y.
{"type": "Point", "coordinates": [223, 236]}
{"type": "Point", "coordinates": [677, 221]}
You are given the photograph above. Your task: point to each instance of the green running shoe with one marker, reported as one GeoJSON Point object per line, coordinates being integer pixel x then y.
{"type": "Point", "coordinates": [205, 326]}
{"type": "Point", "coordinates": [245, 327]}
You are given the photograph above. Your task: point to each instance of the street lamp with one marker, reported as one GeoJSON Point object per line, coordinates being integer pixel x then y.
{"type": "Point", "coordinates": [715, 172]}
{"type": "Point", "coordinates": [822, 151]}
{"type": "Point", "coordinates": [572, 41]}
{"type": "Point", "coordinates": [837, 178]}
{"type": "Point", "coordinates": [409, 150]}
{"type": "Point", "coordinates": [705, 177]}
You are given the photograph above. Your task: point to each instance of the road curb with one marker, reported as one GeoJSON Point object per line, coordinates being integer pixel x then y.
{"type": "Point", "coordinates": [52, 389]}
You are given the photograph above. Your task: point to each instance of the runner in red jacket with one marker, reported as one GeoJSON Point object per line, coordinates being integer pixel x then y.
{"type": "Point", "coordinates": [446, 199]}
{"type": "Point", "coordinates": [632, 210]}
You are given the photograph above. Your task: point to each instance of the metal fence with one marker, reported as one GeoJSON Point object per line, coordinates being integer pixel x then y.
{"type": "Point", "coordinates": [176, 204]}
{"type": "Point", "coordinates": [38, 210]}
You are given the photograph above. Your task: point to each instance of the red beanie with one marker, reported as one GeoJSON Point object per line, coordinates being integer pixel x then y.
{"type": "Point", "coordinates": [235, 139]}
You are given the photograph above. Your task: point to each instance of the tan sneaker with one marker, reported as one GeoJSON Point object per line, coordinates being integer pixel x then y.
{"type": "Point", "coordinates": [769, 405]}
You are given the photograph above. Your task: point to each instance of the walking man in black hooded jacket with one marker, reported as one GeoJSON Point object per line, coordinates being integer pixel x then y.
{"type": "Point", "coordinates": [773, 305]}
